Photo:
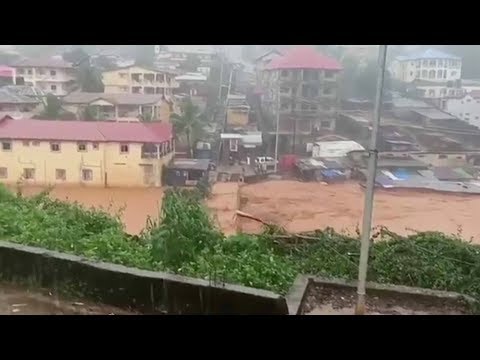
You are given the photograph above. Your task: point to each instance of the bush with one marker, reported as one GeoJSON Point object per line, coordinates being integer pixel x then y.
{"type": "Point", "coordinates": [186, 242]}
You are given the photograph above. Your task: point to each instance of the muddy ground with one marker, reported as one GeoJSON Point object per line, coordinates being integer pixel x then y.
{"type": "Point", "coordinates": [329, 301]}
{"type": "Point", "coordinates": [297, 206]}
{"type": "Point", "coordinates": [18, 300]}
{"type": "Point", "coordinates": [302, 206]}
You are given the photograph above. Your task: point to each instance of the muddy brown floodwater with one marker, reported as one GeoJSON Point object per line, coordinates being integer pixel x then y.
{"type": "Point", "coordinates": [138, 203]}
{"type": "Point", "coordinates": [300, 206]}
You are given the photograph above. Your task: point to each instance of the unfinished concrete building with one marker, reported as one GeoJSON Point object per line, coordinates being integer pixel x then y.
{"type": "Point", "coordinates": [306, 84]}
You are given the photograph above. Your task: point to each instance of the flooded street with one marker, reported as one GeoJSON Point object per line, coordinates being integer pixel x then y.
{"type": "Point", "coordinates": [137, 203]}
{"type": "Point", "coordinates": [300, 206]}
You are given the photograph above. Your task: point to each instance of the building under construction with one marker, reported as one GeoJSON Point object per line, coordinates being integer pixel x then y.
{"type": "Point", "coordinates": [300, 86]}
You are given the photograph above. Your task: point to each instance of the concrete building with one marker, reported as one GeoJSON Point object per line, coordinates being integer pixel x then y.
{"type": "Point", "coordinates": [139, 80]}
{"type": "Point", "coordinates": [430, 65]}
{"type": "Point", "coordinates": [119, 107]}
{"type": "Point", "coordinates": [90, 153]}
{"type": "Point", "coordinates": [466, 108]}
{"type": "Point", "coordinates": [303, 84]}
{"type": "Point", "coordinates": [51, 75]}
{"type": "Point", "coordinates": [176, 55]}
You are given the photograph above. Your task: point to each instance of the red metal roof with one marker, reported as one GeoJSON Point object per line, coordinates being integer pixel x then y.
{"type": "Point", "coordinates": [304, 57]}
{"type": "Point", "coordinates": [95, 131]}
{"type": "Point", "coordinates": [474, 94]}
{"type": "Point", "coordinates": [6, 71]}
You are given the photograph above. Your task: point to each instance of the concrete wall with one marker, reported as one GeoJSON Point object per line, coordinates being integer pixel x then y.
{"type": "Point", "coordinates": [144, 291]}
{"type": "Point", "coordinates": [296, 298]}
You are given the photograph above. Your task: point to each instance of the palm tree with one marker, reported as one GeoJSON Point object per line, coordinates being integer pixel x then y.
{"type": "Point", "coordinates": [189, 123]}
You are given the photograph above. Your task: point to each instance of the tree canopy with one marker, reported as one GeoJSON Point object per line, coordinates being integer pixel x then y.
{"type": "Point", "coordinates": [189, 123]}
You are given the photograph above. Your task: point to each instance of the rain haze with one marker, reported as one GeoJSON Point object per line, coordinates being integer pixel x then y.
{"type": "Point", "coordinates": [241, 161]}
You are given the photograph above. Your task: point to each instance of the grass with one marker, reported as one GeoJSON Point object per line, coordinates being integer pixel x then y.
{"type": "Point", "coordinates": [185, 241]}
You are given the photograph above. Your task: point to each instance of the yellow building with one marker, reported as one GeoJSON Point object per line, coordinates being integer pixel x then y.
{"type": "Point", "coordinates": [238, 111]}
{"type": "Point", "coordinates": [47, 152]}
{"type": "Point", "coordinates": [119, 107]}
{"type": "Point", "coordinates": [139, 80]}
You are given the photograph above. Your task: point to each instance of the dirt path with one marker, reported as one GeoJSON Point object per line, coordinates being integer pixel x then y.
{"type": "Point", "coordinates": [16, 300]}
{"type": "Point", "coordinates": [300, 206]}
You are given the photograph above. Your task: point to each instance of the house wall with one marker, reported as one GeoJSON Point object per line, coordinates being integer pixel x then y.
{"type": "Point", "coordinates": [237, 118]}
{"type": "Point", "coordinates": [45, 78]}
{"type": "Point", "coordinates": [439, 159]}
{"type": "Point", "coordinates": [436, 70]}
{"type": "Point", "coordinates": [467, 109]}
{"type": "Point", "coordinates": [121, 81]}
{"type": "Point", "coordinates": [109, 167]}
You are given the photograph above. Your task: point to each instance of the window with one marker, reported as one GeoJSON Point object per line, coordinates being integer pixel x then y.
{"type": "Point", "coordinates": [82, 147]}
{"type": "Point", "coordinates": [325, 124]}
{"type": "Point", "coordinates": [6, 145]}
{"type": "Point", "coordinates": [124, 149]}
{"type": "Point", "coordinates": [41, 71]}
{"type": "Point", "coordinates": [326, 108]}
{"type": "Point", "coordinates": [87, 175]}
{"type": "Point", "coordinates": [284, 90]}
{"type": "Point", "coordinates": [327, 91]}
{"type": "Point", "coordinates": [122, 75]}
{"type": "Point", "coordinates": [284, 73]}
{"type": "Point", "coordinates": [55, 147]}
{"type": "Point", "coordinates": [467, 114]}
{"type": "Point", "coordinates": [61, 174]}
{"type": "Point", "coordinates": [36, 143]}
{"type": "Point", "coordinates": [431, 74]}
{"type": "Point", "coordinates": [95, 146]}
{"type": "Point", "coordinates": [440, 63]}
{"type": "Point", "coordinates": [442, 156]}
{"type": "Point", "coordinates": [476, 117]}
{"type": "Point", "coordinates": [29, 174]}
{"type": "Point", "coordinates": [26, 143]}
{"type": "Point", "coordinates": [53, 87]}
{"type": "Point", "coordinates": [433, 63]}
{"type": "Point", "coordinates": [453, 73]}
{"type": "Point", "coordinates": [431, 93]}
{"type": "Point", "coordinates": [284, 106]}
{"type": "Point", "coordinates": [3, 172]}
{"type": "Point", "coordinates": [53, 72]}
{"type": "Point", "coordinates": [411, 73]}
{"type": "Point", "coordinates": [329, 74]}
{"type": "Point", "coordinates": [424, 73]}
{"type": "Point", "coordinates": [417, 73]}
{"type": "Point", "coordinates": [20, 71]}
{"type": "Point", "coordinates": [29, 72]}
{"type": "Point", "coordinates": [425, 62]}
{"type": "Point", "coordinates": [233, 145]}
{"type": "Point", "coordinates": [439, 74]}
{"type": "Point", "coordinates": [468, 100]}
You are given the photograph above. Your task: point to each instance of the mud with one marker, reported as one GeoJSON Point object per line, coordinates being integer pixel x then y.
{"type": "Point", "coordinates": [328, 301]}
{"type": "Point", "coordinates": [223, 203]}
{"type": "Point", "coordinates": [136, 203]}
{"type": "Point", "coordinates": [16, 300]}
{"type": "Point", "coordinates": [300, 206]}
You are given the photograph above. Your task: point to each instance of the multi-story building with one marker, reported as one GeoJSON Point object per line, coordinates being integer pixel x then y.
{"type": "Point", "coordinates": [20, 101]}
{"type": "Point", "coordinates": [176, 55]}
{"type": "Point", "coordinates": [302, 86]}
{"type": "Point", "coordinates": [139, 80]}
{"type": "Point", "coordinates": [430, 65]}
{"type": "Point", "coordinates": [45, 152]}
{"type": "Point", "coordinates": [51, 75]}
{"type": "Point", "coordinates": [119, 107]}
{"type": "Point", "coordinates": [466, 108]}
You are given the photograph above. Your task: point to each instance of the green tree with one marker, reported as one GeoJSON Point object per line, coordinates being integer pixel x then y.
{"type": "Point", "coordinates": [52, 108]}
{"type": "Point", "coordinates": [189, 123]}
{"type": "Point", "coordinates": [88, 77]}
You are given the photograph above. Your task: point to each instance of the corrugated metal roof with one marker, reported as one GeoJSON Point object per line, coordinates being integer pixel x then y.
{"type": "Point", "coordinates": [53, 62]}
{"type": "Point", "coordinates": [96, 131]}
{"type": "Point", "coordinates": [428, 54]}
{"type": "Point", "coordinates": [333, 149]}
{"type": "Point", "coordinates": [434, 114]}
{"type": "Point", "coordinates": [401, 102]}
{"type": "Point", "coordinates": [9, 97]}
{"type": "Point", "coordinates": [303, 57]}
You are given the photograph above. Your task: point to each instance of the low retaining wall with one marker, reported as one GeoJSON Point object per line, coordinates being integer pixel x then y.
{"type": "Point", "coordinates": [297, 295]}
{"type": "Point", "coordinates": [140, 290]}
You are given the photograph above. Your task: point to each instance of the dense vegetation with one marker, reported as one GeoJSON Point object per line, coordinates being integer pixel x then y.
{"type": "Point", "coordinates": [185, 241]}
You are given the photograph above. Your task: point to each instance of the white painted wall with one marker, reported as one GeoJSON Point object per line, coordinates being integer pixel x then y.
{"type": "Point", "coordinates": [467, 109]}
{"type": "Point", "coordinates": [436, 70]}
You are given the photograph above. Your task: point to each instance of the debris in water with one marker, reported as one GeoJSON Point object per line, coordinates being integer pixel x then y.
{"type": "Point", "coordinates": [78, 304]}
{"type": "Point", "coordinates": [18, 305]}
{"type": "Point", "coordinates": [15, 310]}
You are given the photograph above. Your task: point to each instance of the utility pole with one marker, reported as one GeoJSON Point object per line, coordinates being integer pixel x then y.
{"type": "Point", "coordinates": [230, 81]}
{"type": "Point", "coordinates": [372, 168]}
{"type": "Point", "coordinates": [278, 121]}
{"type": "Point", "coordinates": [220, 86]}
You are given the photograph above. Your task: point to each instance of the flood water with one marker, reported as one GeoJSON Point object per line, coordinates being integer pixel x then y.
{"type": "Point", "coordinates": [138, 203]}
